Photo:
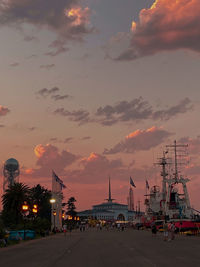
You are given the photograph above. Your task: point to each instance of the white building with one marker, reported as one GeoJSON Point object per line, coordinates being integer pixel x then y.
{"type": "Point", "coordinates": [109, 211]}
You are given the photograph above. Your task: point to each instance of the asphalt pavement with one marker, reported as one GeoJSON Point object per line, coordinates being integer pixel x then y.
{"type": "Point", "coordinates": [104, 248]}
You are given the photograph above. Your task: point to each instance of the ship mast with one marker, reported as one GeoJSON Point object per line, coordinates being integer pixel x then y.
{"type": "Point", "coordinates": [164, 174]}
{"type": "Point", "coordinates": [176, 172]}
{"type": "Point", "coordinates": [177, 179]}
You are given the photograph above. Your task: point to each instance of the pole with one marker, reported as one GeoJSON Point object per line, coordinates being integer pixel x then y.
{"type": "Point", "coordinates": [139, 206]}
{"type": "Point", "coordinates": [54, 222]}
{"type": "Point", "coordinates": [24, 228]}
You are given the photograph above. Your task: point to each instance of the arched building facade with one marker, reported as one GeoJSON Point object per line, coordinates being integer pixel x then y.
{"type": "Point", "coordinates": [109, 211]}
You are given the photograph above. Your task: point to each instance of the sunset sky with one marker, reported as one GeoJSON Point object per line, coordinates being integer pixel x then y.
{"type": "Point", "coordinates": [97, 88]}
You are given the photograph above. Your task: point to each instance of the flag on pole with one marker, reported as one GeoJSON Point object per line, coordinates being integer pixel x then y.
{"type": "Point", "coordinates": [147, 185]}
{"type": "Point", "coordinates": [131, 182]}
{"type": "Point", "coordinates": [57, 183]}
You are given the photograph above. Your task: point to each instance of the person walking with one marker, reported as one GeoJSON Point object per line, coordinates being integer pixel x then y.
{"type": "Point", "coordinates": [65, 229]}
{"type": "Point", "coordinates": [165, 231]}
{"type": "Point", "coordinates": [172, 231]}
{"type": "Point", "coordinates": [118, 227]}
{"type": "Point", "coordinates": [153, 229]}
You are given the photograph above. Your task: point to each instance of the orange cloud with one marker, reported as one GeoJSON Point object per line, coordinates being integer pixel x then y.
{"type": "Point", "coordinates": [49, 157]}
{"type": "Point", "coordinates": [39, 150]}
{"type": "Point", "coordinates": [167, 25]}
{"type": "Point", "coordinates": [140, 140]}
{"type": "Point", "coordinates": [78, 16]}
{"type": "Point", "coordinates": [93, 156]}
{"type": "Point", "coordinates": [29, 171]}
{"type": "Point", "coordinates": [4, 111]}
{"type": "Point", "coordinates": [139, 132]}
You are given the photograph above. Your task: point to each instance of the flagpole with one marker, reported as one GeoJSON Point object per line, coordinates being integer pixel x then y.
{"type": "Point", "coordinates": [146, 188]}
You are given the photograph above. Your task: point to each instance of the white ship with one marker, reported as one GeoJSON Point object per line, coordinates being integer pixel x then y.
{"type": "Point", "coordinates": [168, 202]}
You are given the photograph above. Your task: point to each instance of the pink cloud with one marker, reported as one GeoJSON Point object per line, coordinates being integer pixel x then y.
{"type": "Point", "coordinates": [48, 158]}
{"type": "Point", "coordinates": [4, 111]}
{"type": "Point", "coordinates": [66, 18]}
{"type": "Point", "coordinates": [193, 144]}
{"type": "Point", "coordinates": [168, 25]}
{"type": "Point", "coordinates": [140, 140]}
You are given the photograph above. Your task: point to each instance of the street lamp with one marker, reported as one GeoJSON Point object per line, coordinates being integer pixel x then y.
{"type": "Point", "coordinates": [52, 200]}
{"type": "Point", "coordinates": [35, 209]}
{"type": "Point", "coordinates": [25, 209]}
{"type": "Point", "coordinates": [53, 212]}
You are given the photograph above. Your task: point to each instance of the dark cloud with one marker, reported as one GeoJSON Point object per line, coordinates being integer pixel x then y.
{"type": "Point", "coordinates": [44, 92]}
{"type": "Point", "coordinates": [57, 47]}
{"type": "Point", "coordinates": [2, 126]}
{"type": "Point", "coordinates": [166, 26]}
{"type": "Point", "coordinates": [81, 116]}
{"type": "Point", "coordinates": [54, 139]}
{"type": "Point", "coordinates": [139, 109]}
{"type": "Point", "coordinates": [15, 64]}
{"type": "Point", "coordinates": [32, 129]}
{"type": "Point", "coordinates": [48, 66]}
{"type": "Point", "coordinates": [64, 17]}
{"type": "Point", "coordinates": [136, 110]}
{"type": "Point", "coordinates": [140, 140]}
{"type": "Point", "coordinates": [52, 93]}
{"type": "Point", "coordinates": [86, 138]}
{"type": "Point", "coordinates": [65, 141]}
{"type": "Point", "coordinates": [4, 111]}
{"type": "Point", "coordinates": [32, 56]}
{"type": "Point", "coordinates": [68, 140]}
{"type": "Point", "coordinates": [182, 107]}
{"type": "Point", "coordinates": [60, 97]}
{"type": "Point", "coordinates": [29, 38]}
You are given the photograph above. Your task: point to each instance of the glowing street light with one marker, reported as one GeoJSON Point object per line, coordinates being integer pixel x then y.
{"type": "Point", "coordinates": [35, 209]}
{"type": "Point", "coordinates": [52, 200]}
{"type": "Point", "coordinates": [25, 209]}
{"type": "Point", "coordinates": [53, 212]}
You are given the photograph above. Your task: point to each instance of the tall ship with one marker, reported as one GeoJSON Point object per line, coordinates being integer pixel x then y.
{"type": "Point", "coordinates": [171, 199]}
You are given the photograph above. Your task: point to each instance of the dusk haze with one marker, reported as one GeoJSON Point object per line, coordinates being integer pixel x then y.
{"type": "Point", "coordinates": [100, 136]}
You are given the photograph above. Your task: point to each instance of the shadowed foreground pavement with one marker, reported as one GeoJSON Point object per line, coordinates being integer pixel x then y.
{"type": "Point", "coordinates": [104, 249]}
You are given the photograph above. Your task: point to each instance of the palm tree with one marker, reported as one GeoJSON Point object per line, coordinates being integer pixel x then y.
{"type": "Point", "coordinates": [71, 208]}
{"type": "Point", "coordinates": [12, 201]}
{"type": "Point", "coordinates": [41, 196]}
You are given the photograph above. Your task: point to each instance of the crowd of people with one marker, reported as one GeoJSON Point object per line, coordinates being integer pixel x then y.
{"type": "Point", "coordinates": [167, 228]}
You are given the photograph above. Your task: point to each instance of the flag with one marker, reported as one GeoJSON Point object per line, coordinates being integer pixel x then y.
{"type": "Point", "coordinates": [147, 185]}
{"type": "Point", "coordinates": [57, 183]}
{"type": "Point", "coordinates": [131, 182]}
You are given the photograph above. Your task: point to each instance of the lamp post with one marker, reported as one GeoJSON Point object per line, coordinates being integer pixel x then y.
{"type": "Point", "coordinates": [53, 213]}
{"type": "Point", "coordinates": [25, 209]}
{"type": "Point", "coordinates": [35, 209]}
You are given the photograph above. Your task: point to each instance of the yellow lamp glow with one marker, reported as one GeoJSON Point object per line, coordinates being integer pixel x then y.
{"type": "Point", "coordinates": [24, 207]}
{"type": "Point", "coordinates": [52, 200]}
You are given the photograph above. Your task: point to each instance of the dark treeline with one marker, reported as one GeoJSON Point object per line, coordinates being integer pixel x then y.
{"type": "Point", "coordinates": [12, 216]}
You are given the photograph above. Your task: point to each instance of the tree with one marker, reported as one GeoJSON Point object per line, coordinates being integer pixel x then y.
{"type": "Point", "coordinates": [12, 201]}
{"type": "Point", "coordinates": [71, 208]}
{"type": "Point", "coordinates": [41, 196]}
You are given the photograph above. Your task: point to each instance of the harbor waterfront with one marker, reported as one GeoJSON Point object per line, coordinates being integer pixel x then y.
{"type": "Point", "coordinates": [104, 248]}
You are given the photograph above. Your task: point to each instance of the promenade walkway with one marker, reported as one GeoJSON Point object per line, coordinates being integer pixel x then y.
{"type": "Point", "coordinates": [104, 249]}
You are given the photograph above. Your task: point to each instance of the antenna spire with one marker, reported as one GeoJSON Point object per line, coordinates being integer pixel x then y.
{"type": "Point", "coordinates": [109, 193]}
{"type": "Point", "coordinates": [109, 199]}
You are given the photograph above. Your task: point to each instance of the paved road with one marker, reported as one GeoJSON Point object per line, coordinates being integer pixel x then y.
{"type": "Point", "coordinates": [104, 249]}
